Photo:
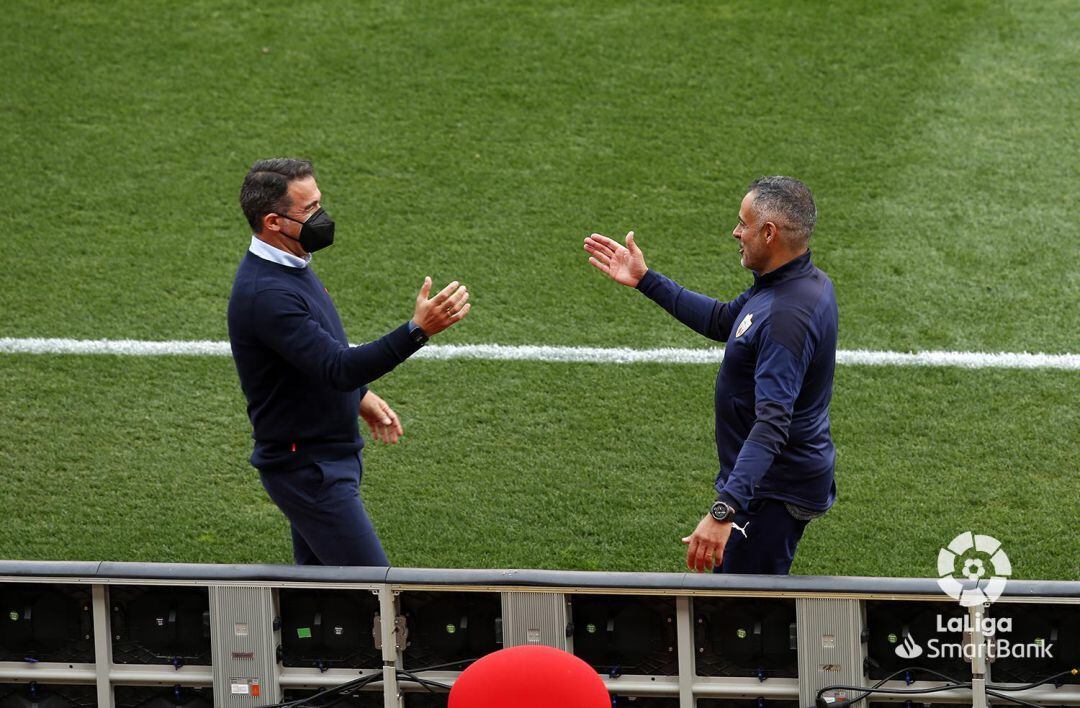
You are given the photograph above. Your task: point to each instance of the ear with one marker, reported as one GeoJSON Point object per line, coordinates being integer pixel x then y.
{"type": "Point", "coordinates": [771, 232]}
{"type": "Point", "coordinates": [271, 222]}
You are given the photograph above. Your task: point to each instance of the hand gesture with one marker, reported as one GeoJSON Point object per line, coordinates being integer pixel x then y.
{"type": "Point", "coordinates": [705, 546]}
{"type": "Point", "coordinates": [381, 418]}
{"type": "Point", "coordinates": [625, 265]}
{"type": "Point", "coordinates": [450, 305]}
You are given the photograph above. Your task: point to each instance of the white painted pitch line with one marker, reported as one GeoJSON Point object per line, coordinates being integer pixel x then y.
{"type": "Point", "coordinates": [864, 357]}
{"type": "Point", "coordinates": [118, 347]}
{"type": "Point", "coordinates": [592, 355]}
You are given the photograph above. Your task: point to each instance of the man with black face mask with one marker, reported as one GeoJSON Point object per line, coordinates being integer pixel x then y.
{"type": "Point", "coordinates": [304, 384]}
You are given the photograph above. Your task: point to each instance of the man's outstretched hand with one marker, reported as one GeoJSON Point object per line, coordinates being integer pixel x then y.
{"type": "Point", "coordinates": [449, 306]}
{"type": "Point", "coordinates": [623, 264]}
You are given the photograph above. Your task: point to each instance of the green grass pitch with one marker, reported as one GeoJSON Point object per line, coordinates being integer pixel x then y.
{"type": "Point", "coordinates": [482, 141]}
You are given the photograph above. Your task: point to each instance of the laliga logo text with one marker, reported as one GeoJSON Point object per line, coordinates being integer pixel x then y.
{"type": "Point", "coordinates": [969, 555]}
{"type": "Point", "coordinates": [996, 647]}
{"type": "Point", "coordinates": [964, 555]}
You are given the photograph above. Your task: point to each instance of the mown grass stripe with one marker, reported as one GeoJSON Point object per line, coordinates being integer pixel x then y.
{"type": "Point", "coordinates": [589, 355]}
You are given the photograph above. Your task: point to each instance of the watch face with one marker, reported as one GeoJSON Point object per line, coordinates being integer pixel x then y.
{"type": "Point", "coordinates": [721, 511]}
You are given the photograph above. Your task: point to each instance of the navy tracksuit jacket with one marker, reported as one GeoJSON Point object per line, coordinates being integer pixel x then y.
{"type": "Point", "coordinates": [774, 385]}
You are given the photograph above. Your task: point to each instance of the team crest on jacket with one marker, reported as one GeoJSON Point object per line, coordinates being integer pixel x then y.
{"type": "Point", "coordinates": [744, 325]}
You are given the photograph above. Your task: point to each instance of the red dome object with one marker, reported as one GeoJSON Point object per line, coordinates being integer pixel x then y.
{"type": "Point", "coordinates": [529, 677]}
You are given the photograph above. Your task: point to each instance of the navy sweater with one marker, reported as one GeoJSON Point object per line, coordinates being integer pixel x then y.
{"type": "Point", "coordinates": [302, 380]}
{"type": "Point", "coordinates": [775, 382]}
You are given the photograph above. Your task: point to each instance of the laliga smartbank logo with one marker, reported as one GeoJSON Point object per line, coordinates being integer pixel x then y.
{"type": "Point", "coordinates": [973, 557]}
{"type": "Point", "coordinates": [980, 561]}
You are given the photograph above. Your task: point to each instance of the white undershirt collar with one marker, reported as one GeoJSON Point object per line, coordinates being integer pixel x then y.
{"type": "Point", "coordinates": [275, 255]}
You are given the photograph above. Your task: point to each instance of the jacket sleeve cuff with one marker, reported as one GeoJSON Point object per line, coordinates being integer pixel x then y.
{"type": "Point", "coordinates": [726, 497]}
{"type": "Point", "coordinates": [401, 342]}
{"type": "Point", "coordinates": [647, 281]}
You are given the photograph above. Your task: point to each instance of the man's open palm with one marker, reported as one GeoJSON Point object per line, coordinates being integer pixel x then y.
{"type": "Point", "coordinates": [623, 264]}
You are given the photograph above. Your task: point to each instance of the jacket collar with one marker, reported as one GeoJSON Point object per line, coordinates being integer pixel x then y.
{"type": "Point", "coordinates": [794, 268]}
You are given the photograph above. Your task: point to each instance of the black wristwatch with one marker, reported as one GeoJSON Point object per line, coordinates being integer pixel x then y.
{"type": "Point", "coordinates": [418, 335]}
{"type": "Point", "coordinates": [722, 511]}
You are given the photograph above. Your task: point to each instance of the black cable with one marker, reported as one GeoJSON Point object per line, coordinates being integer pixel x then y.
{"type": "Point", "coordinates": [998, 690]}
{"type": "Point", "coordinates": [893, 691]}
{"type": "Point", "coordinates": [444, 666]}
{"type": "Point", "coordinates": [426, 683]}
{"type": "Point", "coordinates": [332, 691]}
{"type": "Point", "coordinates": [1011, 699]}
{"type": "Point", "coordinates": [1036, 684]}
{"type": "Point", "coordinates": [991, 689]}
{"type": "Point", "coordinates": [871, 689]}
{"type": "Point", "coordinates": [363, 681]}
{"type": "Point", "coordinates": [354, 685]}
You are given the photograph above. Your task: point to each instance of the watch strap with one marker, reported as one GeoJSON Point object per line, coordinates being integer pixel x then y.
{"type": "Point", "coordinates": [417, 333]}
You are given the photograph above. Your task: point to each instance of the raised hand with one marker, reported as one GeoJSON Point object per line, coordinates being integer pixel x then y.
{"type": "Point", "coordinates": [623, 264]}
{"type": "Point", "coordinates": [449, 306]}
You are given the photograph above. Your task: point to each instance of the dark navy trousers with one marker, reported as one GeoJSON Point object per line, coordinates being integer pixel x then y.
{"type": "Point", "coordinates": [772, 534]}
{"type": "Point", "coordinates": [329, 523]}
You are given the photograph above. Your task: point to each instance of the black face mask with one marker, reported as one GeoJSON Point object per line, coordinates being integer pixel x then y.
{"type": "Point", "coordinates": [317, 232]}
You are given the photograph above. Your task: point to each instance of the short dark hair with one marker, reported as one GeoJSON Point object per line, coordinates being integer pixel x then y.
{"type": "Point", "coordinates": [266, 186]}
{"type": "Point", "coordinates": [788, 201]}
